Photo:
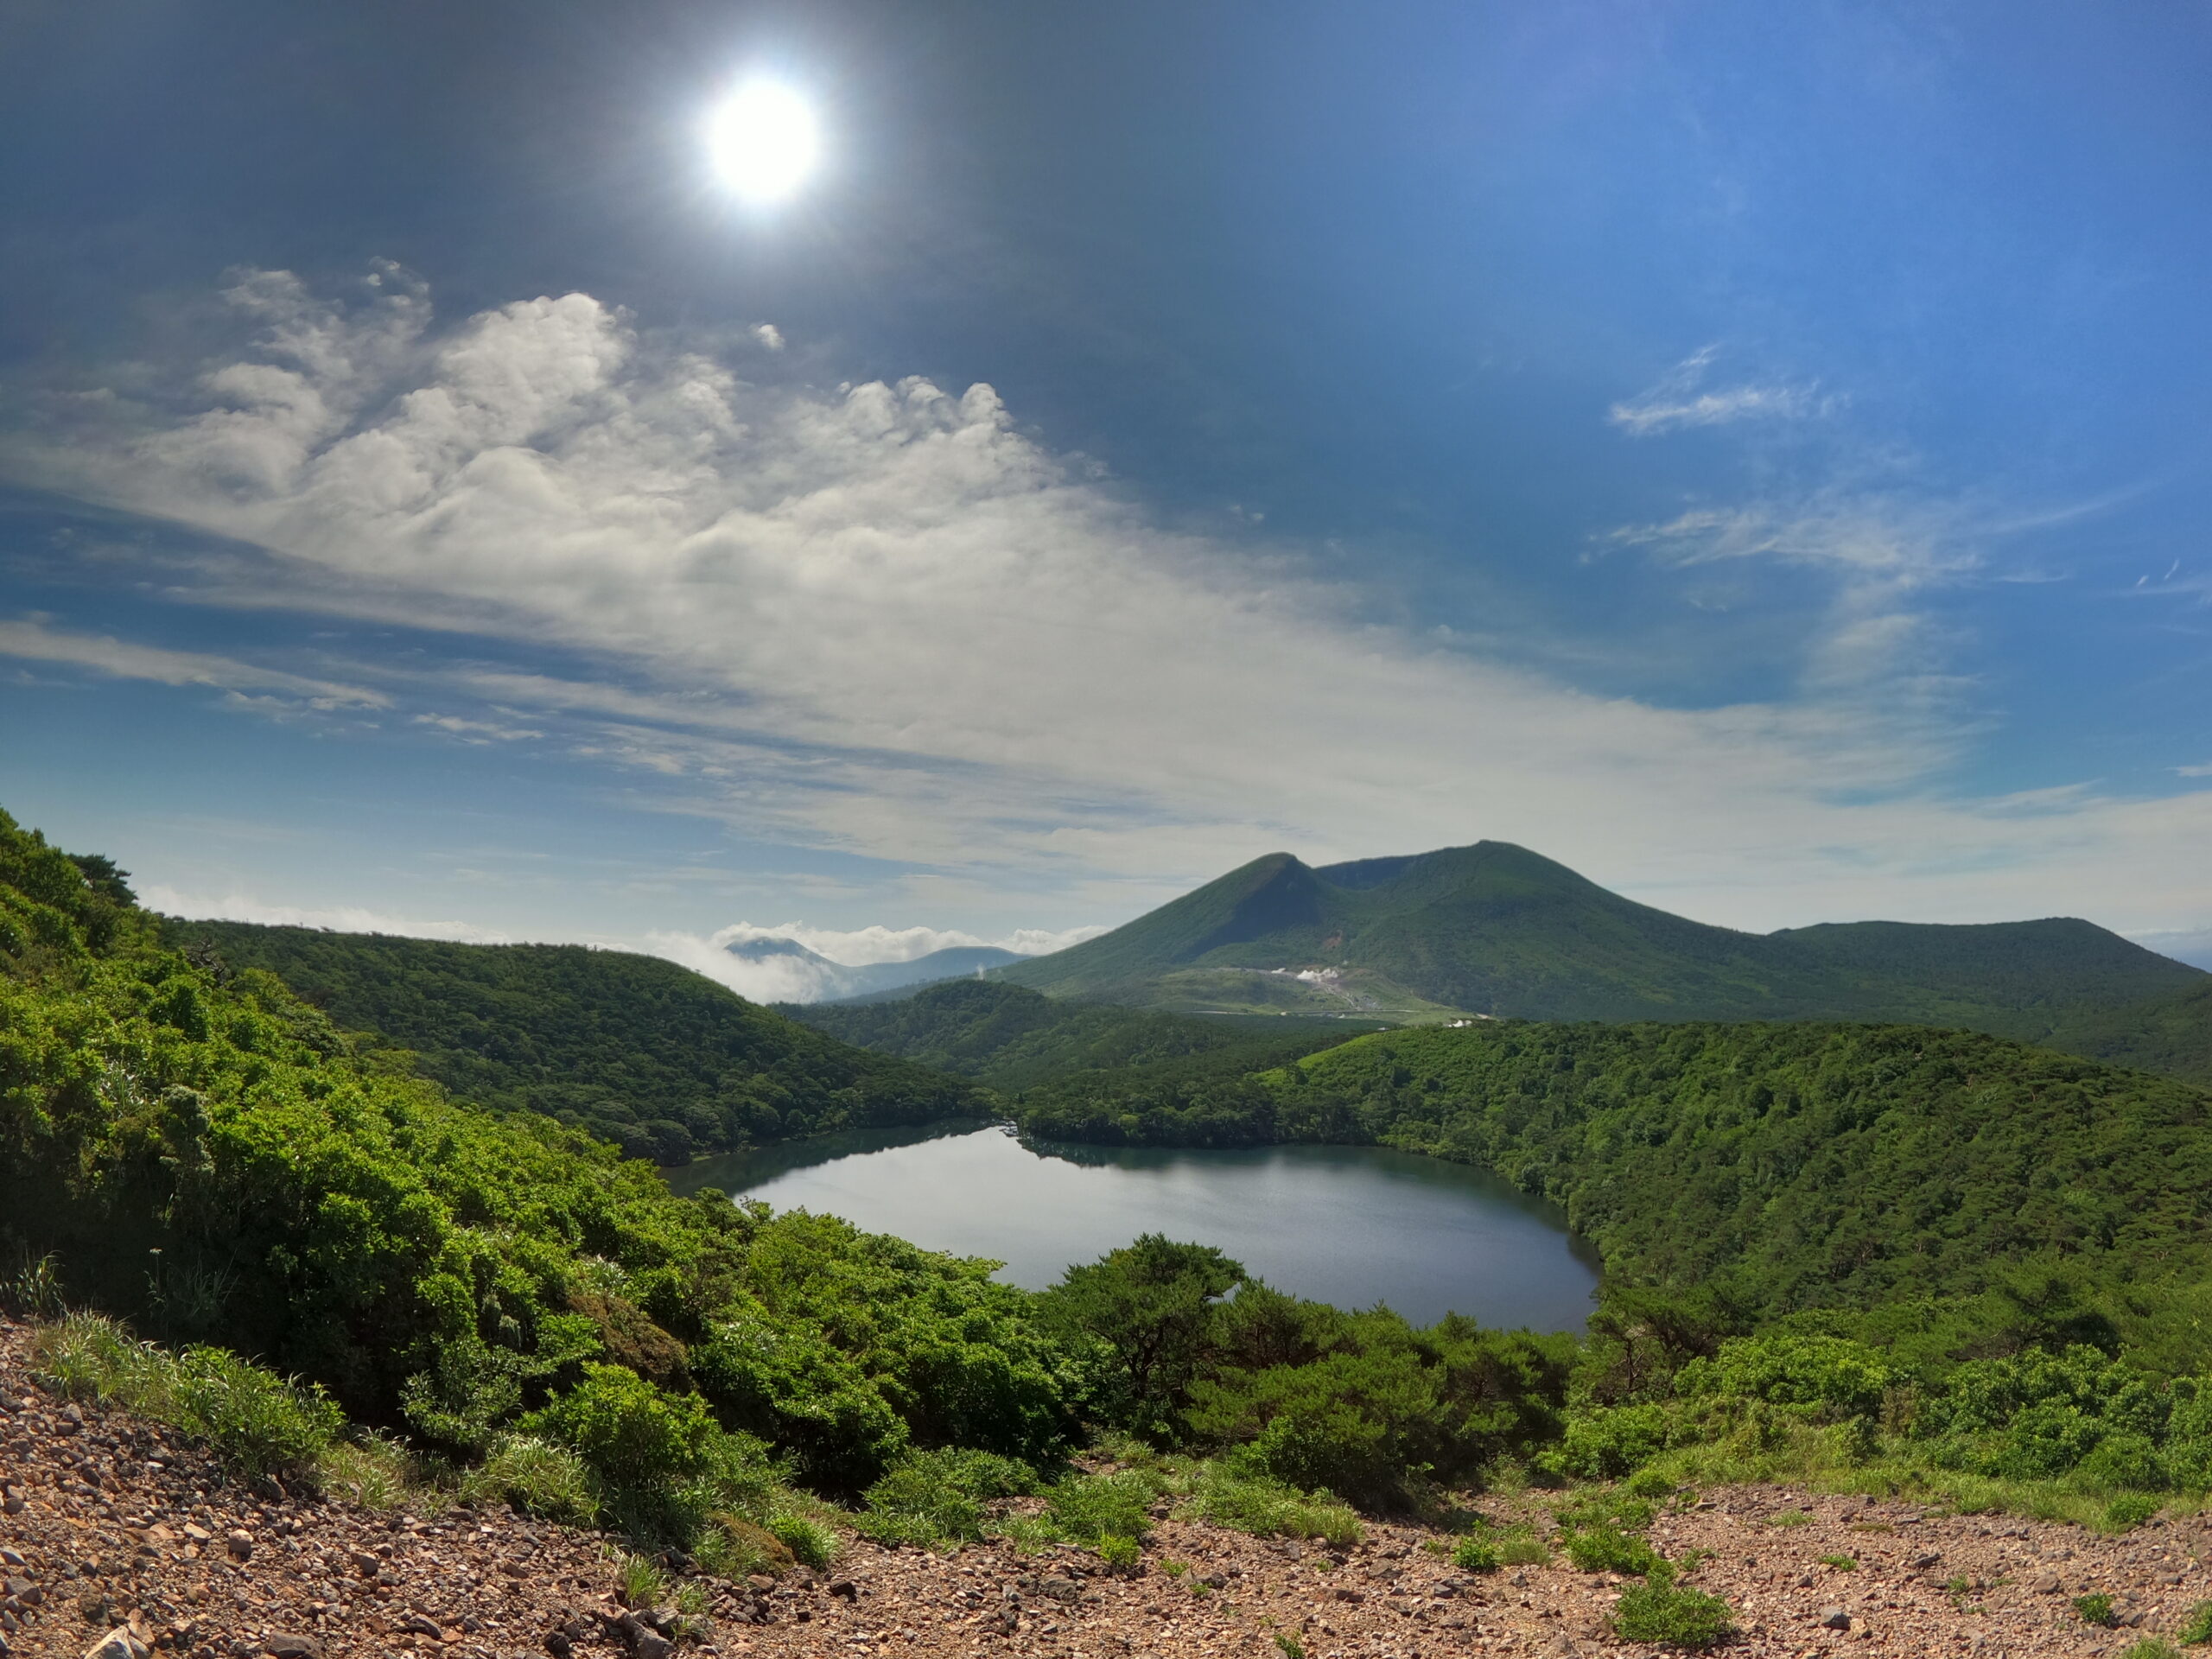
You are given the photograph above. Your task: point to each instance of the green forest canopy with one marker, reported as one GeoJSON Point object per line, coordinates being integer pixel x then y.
{"type": "Point", "coordinates": [660, 1060]}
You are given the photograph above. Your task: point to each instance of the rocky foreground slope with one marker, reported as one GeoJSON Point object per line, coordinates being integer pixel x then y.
{"type": "Point", "coordinates": [117, 1538]}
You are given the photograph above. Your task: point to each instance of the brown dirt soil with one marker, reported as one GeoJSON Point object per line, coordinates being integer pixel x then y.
{"type": "Point", "coordinates": [116, 1534]}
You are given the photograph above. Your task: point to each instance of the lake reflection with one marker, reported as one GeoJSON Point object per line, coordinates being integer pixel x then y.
{"type": "Point", "coordinates": [1352, 1225]}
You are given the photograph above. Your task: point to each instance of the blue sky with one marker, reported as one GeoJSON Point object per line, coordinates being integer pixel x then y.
{"type": "Point", "coordinates": [1755, 455]}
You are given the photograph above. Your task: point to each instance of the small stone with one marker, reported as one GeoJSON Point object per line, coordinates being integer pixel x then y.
{"type": "Point", "coordinates": [1834, 1618]}
{"type": "Point", "coordinates": [418, 1625]}
{"type": "Point", "coordinates": [117, 1643]}
{"type": "Point", "coordinates": [1926, 1560]}
{"type": "Point", "coordinates": [198, 1534]}
{"type": "Point", "coordinates": [2046, 1583]}
{"type": "Point", "coordinates": [364, 1563]}
{"type": "Point", "coordinates": [287, 1645]}
{"type": "Point", "coordinates": [240, 1543]}
{"type": "Point", "coordinates": [557, 1644]}
{"type": "Point", "coordinates": [846, 1588]}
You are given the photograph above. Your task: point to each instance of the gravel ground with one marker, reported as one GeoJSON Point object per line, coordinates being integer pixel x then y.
{"type": "Point", "coordinates": [115, 1536]}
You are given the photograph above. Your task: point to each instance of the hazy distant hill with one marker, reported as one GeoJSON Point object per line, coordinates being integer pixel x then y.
{"type": "Point", "coordinates": [651, 1055]}
{"type": "Point", "coordinates": [837, 980]}
{"type": "Point", "coordinates": [1498, 929]}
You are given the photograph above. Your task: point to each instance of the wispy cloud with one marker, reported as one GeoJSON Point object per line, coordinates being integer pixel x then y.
{"type": "Point", "coordinates": [32, 640]}
{"type": "Point", "coordinates": [1681, 400]}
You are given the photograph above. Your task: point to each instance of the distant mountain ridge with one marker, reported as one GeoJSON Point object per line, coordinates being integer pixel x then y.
{"type": "Point", "coordinates": [1496, 929]}
{"type": "Point", "coordinates": [836, 981]}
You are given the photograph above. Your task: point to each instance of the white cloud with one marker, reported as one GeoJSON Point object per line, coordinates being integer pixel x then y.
{"type": "Point", "coordinates": [769, 335]}
{"type": "Point", "coordinates": [884, 621]}
{"type": "Point", "coordinates": [341, 919]}
{"type": "Point", "coordinates": [476, 731]}
{"type": "Point", "coordinates": [32, 640]}
{"type": "Point", "coordinates": [1679, 401]}
{"type": "Point", "coordinates": [790, 979]}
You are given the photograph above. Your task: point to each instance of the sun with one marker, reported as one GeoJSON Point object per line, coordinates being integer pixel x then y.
{"type": "Point", "coordinates": [764, 141]}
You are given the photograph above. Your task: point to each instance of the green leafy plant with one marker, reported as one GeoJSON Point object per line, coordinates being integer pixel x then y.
{"type": "Point", "coordinates": [1659, 1610]}
{"type": "Point", "coordinates": [2096, 1608]}
{"type": "Point", "coordinates": [1120, 1554]}
{"type": "Point", "coordinates": [1790, 1518]}
{"type": "Point", "coordinates": [1605, 1548]}
{"type": "Point", "coordinates": [2151, 1647]}
{"type": "Point", "coordinates": [1477, 1554]}
{"type": "Point", "coordinates": [1840, 1563]}
{"type": "Point", "coordinates": [1290, 1646]}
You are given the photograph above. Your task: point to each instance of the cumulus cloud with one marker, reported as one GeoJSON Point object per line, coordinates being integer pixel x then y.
{"type": "Point", "coordinates": [341, 919]}
{"type": "Point", "coordinates": [881, 619]}
{"type": "Point", "coordinates": [1681, 400]}
{"type": "Point", "coordinates": [769, 978]}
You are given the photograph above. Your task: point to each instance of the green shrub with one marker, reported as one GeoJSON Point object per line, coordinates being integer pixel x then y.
{"type": "Point", "coordinates": [258, 1423]}
{"type": "Point", "coordinates": [1477, 1555]}
{"type": "Point", "coordinates": [1840, 1377]}
{"type": "Point", "coordinates": [2151, 1647]}
{"type": "Point", "coordinates": [1088, 1507]}
{"type": "Point", "coordinates": [633, 1436]}
{"type": "Point", "coordinates": [811, 1543]}
{"type": "Point", "coordinates": [536, 1476]}
{"type": "Point", "coordinates": [2096, 1609]}
{"type": "Point", "coordinates": [2130, 1511]}
{"type": "Point", "coordinates": [2196, 1629]}
{"type": "Point", "coordinates": [255, 1421]}
{"type": "Point", "coordinates": [1663, 1613]}
{"type": "Point", "coordinates": [1605, 1548]}
{"type": "Point", "coordinates": [1271, 1509]}
{"type": "Point", "coordinates": [1609, 1442]}
{"type": "Point", "coordinates": [937, 1497]}
{"type": "Point", "coordinates": [1120, 1554]}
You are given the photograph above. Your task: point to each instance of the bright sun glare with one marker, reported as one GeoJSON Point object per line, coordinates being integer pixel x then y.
{"type": "Point", "coordinates": [764, 141]}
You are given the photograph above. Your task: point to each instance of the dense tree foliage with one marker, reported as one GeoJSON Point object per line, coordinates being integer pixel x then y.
{"type": "Point", "coordinates": [637, 1050]}
{"type": "Point", "coordinates": [1015, 1040]}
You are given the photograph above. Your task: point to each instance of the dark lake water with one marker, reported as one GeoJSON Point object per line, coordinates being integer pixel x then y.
{"type": "Point", "coordinates": [1352, 1225]}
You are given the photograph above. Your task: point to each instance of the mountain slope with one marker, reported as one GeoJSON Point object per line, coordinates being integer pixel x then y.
{"type": "Point", "coordinates": [2170, 1033]}
{"type": "Point", "coordinates": [1496, 929]}
{"type": "Point", "coordinates": [651, 1056]}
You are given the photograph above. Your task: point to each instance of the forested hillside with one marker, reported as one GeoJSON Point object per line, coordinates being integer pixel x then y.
{"type": "Point", "coordinates": [660, 1060]}
{"type": "Point", "coordinates": [1013, 1038]}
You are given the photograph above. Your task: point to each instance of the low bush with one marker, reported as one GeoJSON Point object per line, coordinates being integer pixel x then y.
{"type": "Point", "coordinates": [811, 1542]}
{"type": "Point", "coordinates": [1271, 1509]}
{"type": "Point", "coordinates": [1606, 1548]}
{"type": "Point", "coordinates": [1088, 1508]}
{"type": "Point", "coordinates": [1661, 1611]}
{"type": "Point", "coordinates": [937, 1497]}
{"type": "Point", "coordinates": [1478, 1554]}
{"type": "Point", "coordinates": [2096, 1609]}
{"type": "Point", "coordinates": [257, 1423]}
{"type": "Point", "coordinates": [536, 1476]}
